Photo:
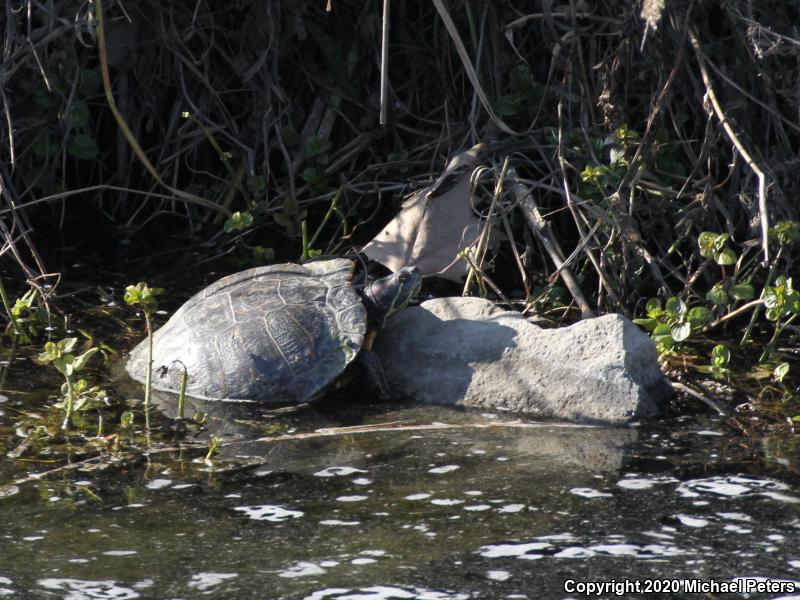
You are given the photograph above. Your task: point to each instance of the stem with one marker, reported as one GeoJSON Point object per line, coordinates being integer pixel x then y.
{"type": "Point", "coordinates": [761, 297]}
{"type": "Point", "coordinates": [11, 316]}
{"type": "Point", "coordinates": [778, 330]}
{"type": "Point", "coordinates": [70, 400]}
{"type": "Point", "coordinates": [182, 392]}
{"type": "Point", "coordinates": [149, 374]}
{"type": "Point", "coordinates": [326, 218]}
{"type": "Point", "coordinates": [304, 235]}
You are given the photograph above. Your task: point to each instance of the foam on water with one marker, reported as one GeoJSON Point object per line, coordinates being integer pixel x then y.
{"type": "Point", "coordinates": [338, 472]}
{"type": "Point", "coordinates": [80, 589]}
{"type": "Point", "coordinates": [269, 512]}
{"type": "Point", "coordinates": [206, 581]}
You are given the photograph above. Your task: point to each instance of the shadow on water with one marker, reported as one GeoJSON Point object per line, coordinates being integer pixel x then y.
{"type": "Point", "coordinates": [345, 499]}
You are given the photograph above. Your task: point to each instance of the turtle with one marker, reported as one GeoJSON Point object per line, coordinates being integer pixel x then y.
{"type": "Point", "coordinates": [276, 334]}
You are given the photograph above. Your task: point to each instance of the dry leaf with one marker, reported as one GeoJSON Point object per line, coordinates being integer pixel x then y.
{"type": "Point", "coordinates": [434, 224]}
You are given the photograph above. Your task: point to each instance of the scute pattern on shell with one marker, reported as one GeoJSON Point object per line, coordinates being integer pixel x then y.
{"type": "Point", "coordinates": [280, 333]}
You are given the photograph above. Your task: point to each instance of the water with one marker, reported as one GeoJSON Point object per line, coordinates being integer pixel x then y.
{"type": "Point", "coordinates": [438, 504]}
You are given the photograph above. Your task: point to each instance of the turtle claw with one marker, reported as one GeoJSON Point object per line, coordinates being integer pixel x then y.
{"type": "Point", "coordinates": [373, 375]}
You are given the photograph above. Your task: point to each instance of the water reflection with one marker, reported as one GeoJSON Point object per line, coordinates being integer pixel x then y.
{"type": "Point", "coordinates": [417, 502]}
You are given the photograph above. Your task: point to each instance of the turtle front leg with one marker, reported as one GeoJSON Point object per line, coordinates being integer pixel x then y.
{"type": "Point", "coordinates": [369, 340]}
{"type": "Point", "coordinates": [373, 376]}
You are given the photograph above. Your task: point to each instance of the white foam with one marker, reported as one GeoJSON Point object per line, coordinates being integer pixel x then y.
{"type": "Point", "coordinates": [269, 512]}
{"type": "Point", "coordinates": [444, 469]}
{"type": "Point", "coordinates": [338, 471]}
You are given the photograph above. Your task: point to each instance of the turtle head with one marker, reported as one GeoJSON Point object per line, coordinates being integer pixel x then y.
{"type": "Point", "coordinates": [384, 297]}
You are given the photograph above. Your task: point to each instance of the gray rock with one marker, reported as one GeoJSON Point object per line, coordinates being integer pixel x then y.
{"type": "Point", "coordinates": [467, 352]}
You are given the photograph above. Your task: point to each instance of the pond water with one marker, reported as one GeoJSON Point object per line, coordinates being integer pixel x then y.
{"type": "Point", "coordinates": [409, 502]}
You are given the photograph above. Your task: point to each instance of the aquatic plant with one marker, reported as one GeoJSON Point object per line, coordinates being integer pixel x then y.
{"type": "Point", "coordinates": [77, 395]}
{"type": "Point", "coordinates": [143, 296]}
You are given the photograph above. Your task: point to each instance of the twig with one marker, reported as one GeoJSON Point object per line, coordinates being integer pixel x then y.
{"type": "Point", "coordinates": [385, 62]}
{"type": "Point", "coordinates": [384, 427]}
{"type": "Point", "coordinates": [468, 68]}
{"type": "Point", "coordinates": [94, 188]}
{"type": "Point", "coordinates": [733, 313]}
{"type": "Point", "coordinates": [540, 228]}
{"type": "Point", "coordinates": [106, 78]}
{"type": "Point", "coordinates": [717, 109]}
{"type": "Point", "coordinates": [680, 387]}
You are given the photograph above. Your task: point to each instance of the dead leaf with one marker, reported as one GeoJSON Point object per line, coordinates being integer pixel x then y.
{"type": "Point", "coordinates": [433, 225]}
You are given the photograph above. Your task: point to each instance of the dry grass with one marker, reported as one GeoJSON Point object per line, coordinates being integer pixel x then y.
{"type": "Point", "coordinates": [543, 88]}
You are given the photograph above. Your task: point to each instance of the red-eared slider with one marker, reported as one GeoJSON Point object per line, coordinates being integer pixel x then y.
{"type": "Point", "coordinates": [280, 333]}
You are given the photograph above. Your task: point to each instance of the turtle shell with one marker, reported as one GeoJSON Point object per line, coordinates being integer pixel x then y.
{"type": "Point", "coordinates": [280, 333]}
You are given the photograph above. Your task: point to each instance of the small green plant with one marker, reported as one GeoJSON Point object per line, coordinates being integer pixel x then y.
{"type": "Point", "coordinates": [308, 244]}
{"type": "Point", "coordinates": [238, 221]}
{"type": "Point", "coordinates": [11, 316]}
{"type": "Point", "coordinates": [673, 323]}
{"type": "Point", "coordinates": [144, 297]}
{"type": "Point", "coordinates": [76, 395]}
{"type": "Point", "coordinates": [780, 372]}
{"type": "Point", "coordinates": [720, 361]}
{"type": "Point", "coordinates": [126, 420]}
{"type": "Point", "coordinates": [213, 448]}
{"type": "Point", "coordinates": [27, 317]}
{"type": "Point", "coordinates": [782, 302]}
{"type": "Point", "coordinates": [525, 94]}
{"type": "Point", "coordinates": [714, 245]}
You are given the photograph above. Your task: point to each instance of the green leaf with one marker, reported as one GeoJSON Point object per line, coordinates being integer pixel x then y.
{"type": "Point", "coordinates": [717, 295]}
{"type": "Point", "coordinates": [617, 156]}
{"type": "Point", "coordinates": [283, 219]}
{"type": "Point", "coordinates": [506, 106]}
{"type": "Point", "coordinates": [256, 183]}
{"type": "Point", "coordinates": [126, 419]}
{"type": "Point", "coordinates": [662, 329]}
{"type": "Point", "coordinates": [719, 241]}
{"type": "Point", "coordinates": [675, 307]}
{"type": "Point", "coordinates": [263, 255]}
{"type": "Point", "coordinates": [680, 331]}
{"type": "Point", "coordinates": [82, 147]}
{"type": "Point", "coordinates": [316, 145]}
{"type": "Point", "coordinates": [773, 313]}
{"type": "Point", "coordinates": [700, 315]}
{"type": "Point", "coordinates": [44, 146]}
{"type": "Point", "coordinates": [399, 156]}
{"type": "Point", "coordinates": [726, 257]}
{"type": "Point", "coordinates": [313, 176]}
{"type": "Point", "coordinates": [786, 232]}
{"type": "Point", "coordinates": [67, 344]}
{"type": "Point", "coordinates": [142, 295]}
{"type": "Point", "coordinates": [720, 355]}
{"type": "Point", "coordinates": [781, 371]}
{"type": "Point", "coordinates": [64, 364]}
{"type": "Point", "coordinates": [648, 324]}
{"type": "Point", "coordinates": [653, 307]}
{"type": "Point", "coordinates": [771, 299]}
{"type": "Point", "coordinates": [290, 137]}
{"type": "Point", "coordinates": [77, 114]}
{"type": "Point", "coordinates": [706, 243]}
{"type": "Point", "coordinates": [238, 221]}
{"type": "Point", "coordinates": [81, 360]}
{"type": "Point", "coordinates": [742, 291]}
{"type": "Point", "coordinates": [44, 98]}
{"type": "Point", "coordinates": [88, 82]}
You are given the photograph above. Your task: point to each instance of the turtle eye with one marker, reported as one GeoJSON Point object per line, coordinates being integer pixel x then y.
{"type": "Point", "coordinates": [402, 276]}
